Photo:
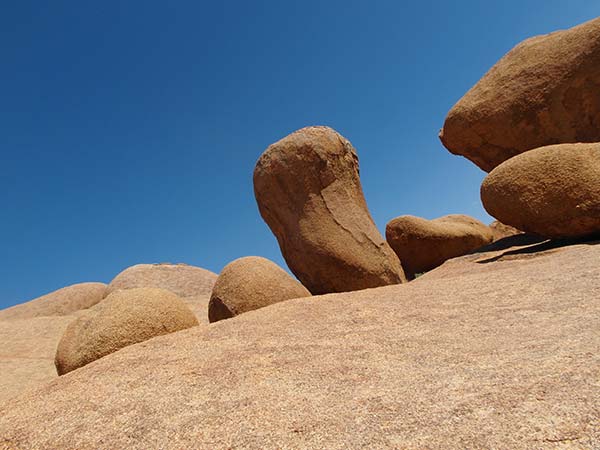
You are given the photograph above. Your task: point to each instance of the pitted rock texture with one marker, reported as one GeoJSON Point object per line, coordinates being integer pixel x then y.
{"type": "Point", "coordinates": [423, 244]}
{"type": "Point", "coordinates": [552, 191]}
{"type": "Point", "coordinates": [544, 91]}
{"type": "Point", "coordinates": [308, 190]}
{"type": "Point", "coordinates": [250, 283]}
{"type": "Point", "coordinates": [124, 318]}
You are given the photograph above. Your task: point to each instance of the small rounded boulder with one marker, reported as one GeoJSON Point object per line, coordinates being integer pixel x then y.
{"type": "Point", "coordinates": [124, 318]}
{"type": "Point", "coordinates": [250, 283]}
{"type": "Point", "coordinates": [552, 191]}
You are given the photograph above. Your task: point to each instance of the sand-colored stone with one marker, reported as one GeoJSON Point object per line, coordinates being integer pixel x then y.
{"type": "Point", "coordinates": [552, 191]}
{"type": "Point", "coordinates": [492, 350]}
{"type": "Point", "coordinates": [198, 304]}
{"type": "Point", "coordinates": [501, 230]}
{"type": "Point", "coordinates": [62, 302]}
{"type": "Point", "coordinates": [124, 318]}
{"type": "Point", "coordinates": [543, 92]}
{"type": "Point", "coordinates": [423, 244]}
{"type": "Point", "coordinates": [251, 283]}
{"type": "Point", "coordinates": [308, 191]}
{"type": "Point", "coordinates": [181, 279]}
{"type": "Point", "coordinates": [27, 352]}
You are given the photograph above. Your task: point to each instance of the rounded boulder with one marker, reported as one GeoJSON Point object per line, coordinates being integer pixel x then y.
{"type": "Point", "coordinates": [124, 318]}
{"type": "Point", "coordinates": [552, 191]}
{"type": "Point", "coordinates": [250, 283]}
{"type": "Point", "coordinates": [308, 191]}
{"type": "Point", "coordinates": [423, 244]}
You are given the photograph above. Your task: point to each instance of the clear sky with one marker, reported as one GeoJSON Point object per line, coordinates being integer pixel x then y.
{"type": "Point", "coordinates": [129, 130]}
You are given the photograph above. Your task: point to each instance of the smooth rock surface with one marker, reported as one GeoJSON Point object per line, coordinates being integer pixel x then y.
{"type": "Point", "coordinates": [181, 279]}
{"type": "Point", "coordinates": [251, 283]}
{"type": "Point", "coordinates": [494, 350]}
{"type": "Point", "coordinates": [544, 91]}
{"type": "Point", "coordinates": [308, 191]}
{"type": "Point", "coordinates": [423, 244]}
{"type": "Point", "coordinates": [552, 191]}
{"type": "Point", "coordinates": [124, 318]}
{"type": "Point", "coordinates": [62, 302]}
{"type": "Point", "coordinates": [501, 230]}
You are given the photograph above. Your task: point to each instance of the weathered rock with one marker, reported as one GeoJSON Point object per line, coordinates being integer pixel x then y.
{"type": "Point", "coordinates": [423, 244]}
{"type": "Point", "coordinates": [124, 318]}
{"type": "Point", "coordinates": [487, 351]}
{"type": "Point", "coordinates": [181, 279]}
{"type": "Point", "coordinates": [250, 283]}
{"type": "Point", "coordinates": [501, 230]}
{"type": "Point", "coordinates": [544, 91]}
{"type": "Point", "coordinates": [27, 352]}
{"type": "Point", "coordinates": [308, 191]}
{"type": "Point", "coordinates": [552, 191]}
{"type": "Point", "coordinates": [58, 303]}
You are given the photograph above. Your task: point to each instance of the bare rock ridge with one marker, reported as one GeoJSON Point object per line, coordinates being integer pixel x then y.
{"type": "Point", "coordinates": [494, 350]}
{"type": "Point", "coordinates": [543, 92]}
{"type": "Point", "coordinates": [250, 283]}
{"type": "Point", "coordinates": [552, 191]}
{"type": "Point", "coordinates": [423, 244]}
{"type": "Point", "coordinates": [124, 318]}
{"type": "Point", "coordinates": [308, 191]}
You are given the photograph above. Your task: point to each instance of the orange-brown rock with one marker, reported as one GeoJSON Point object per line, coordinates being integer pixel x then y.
{"type": "Point", "coordinates": [423, 244]}
{"type": "Point", "coordinates": [544, 91]}
{"type": "Point", "coordinates": [250, 283]}
{"type": "Point", "coordinates": [308, 190]}
{"type": "Point", "coordinates": [181, 279]}
{"type": "Point", "coordinates": [58, 303]}
{"type": "Point", "coordinates": [501, 230]}
{"type": "Point", "coordinates": [124, 318]}
{"type": "Point", "coordinates": [488, 351]}
{"type": "Point", "coordinates": [552, 191]}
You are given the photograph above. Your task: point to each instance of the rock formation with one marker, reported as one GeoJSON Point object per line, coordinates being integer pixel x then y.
{"type": "Point", "coordinates": [501, 230]}
{"type": "Point", "coordinates": [58, 303]}
{"type": "Point", "coordinates": [544, 91]}
{"type": "Point", "coordinates": [495, 350]}
{"type": "Point", "coordinates": [181, 279]}
{"type": "Point", "coordinates": [124, 318]}
{"type": "Point", "coordinates": [250, 283]}
{"type": "Point", "coordinates": [308, 191]}
{"type": "Point", "coordinates": [423, 244]}
{"type": "Point", "coordinates": [552, 191]}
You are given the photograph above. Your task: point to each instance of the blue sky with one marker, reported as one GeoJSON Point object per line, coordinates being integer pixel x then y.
{"type": "Point", "coordinates": [130, 130]}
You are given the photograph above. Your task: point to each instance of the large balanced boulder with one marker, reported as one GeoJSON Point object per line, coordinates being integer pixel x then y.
{"type": "Point", "coordinates": [124, 318]}
{"type": "Point", "coordinates": [423, 244]}
{"type": "Point", "coordinates": [485, 352]}
{"type": "Point", "coordinates": [250, 283]}
{"type": "Point", "coordinates": [181, 279]}
{"type": "Point", "coordinates": [552, 191]}
{"type": "Point", "coordinates": [62, 302]}
{"type": "Point", "coordinates": [544, 91]}
{"type": "Point", "coordinates": [308, 190]}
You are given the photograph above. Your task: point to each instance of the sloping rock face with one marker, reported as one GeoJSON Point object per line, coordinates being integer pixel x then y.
{"type": "Point", "coordinates": [552, 191]}
{"type": "Point", "coordinates": [27, 352]}
{"type": "Point", "coordinates": [423, 244]}
{"type": "Point", "coordinates": [494, 350]}
{"type": "Point", "coordinates": [250, 283]}
{"type": "Point", "coordinates": [124, 318]}
{"type": "Point", "coordinates": [544, 91]}
{"type": "Point", "coordinates": [181, 279]}
{"type": "Point", "coordinates": [58, 303]}
{"type": "Point", "coordinates": [308, 191]}
{"type": "Point", "coordinates": [501, 230]}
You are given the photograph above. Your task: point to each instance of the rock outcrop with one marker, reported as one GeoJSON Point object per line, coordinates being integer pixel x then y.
{"type": "Point", "coordinates": [124, 318]}
{"type": "Point", "coordinates": [181, 279]}
{"type": "Point", "coordinates": [62, 302]}
{"type": "Point", "coordinates": [494, 350]}
{"type": "Point", "coordinates": [544, 91]}
{"type": "Point", "coordinates": [552, 191]}
{"type": "Point", "coordinates": [501, 230]}
{"type": "Point", "coordinates": [308, 191]}
{"type": "Point", "coordinates": [423, 244]}
{"type": "Point", "coordinates": [250, 283]}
